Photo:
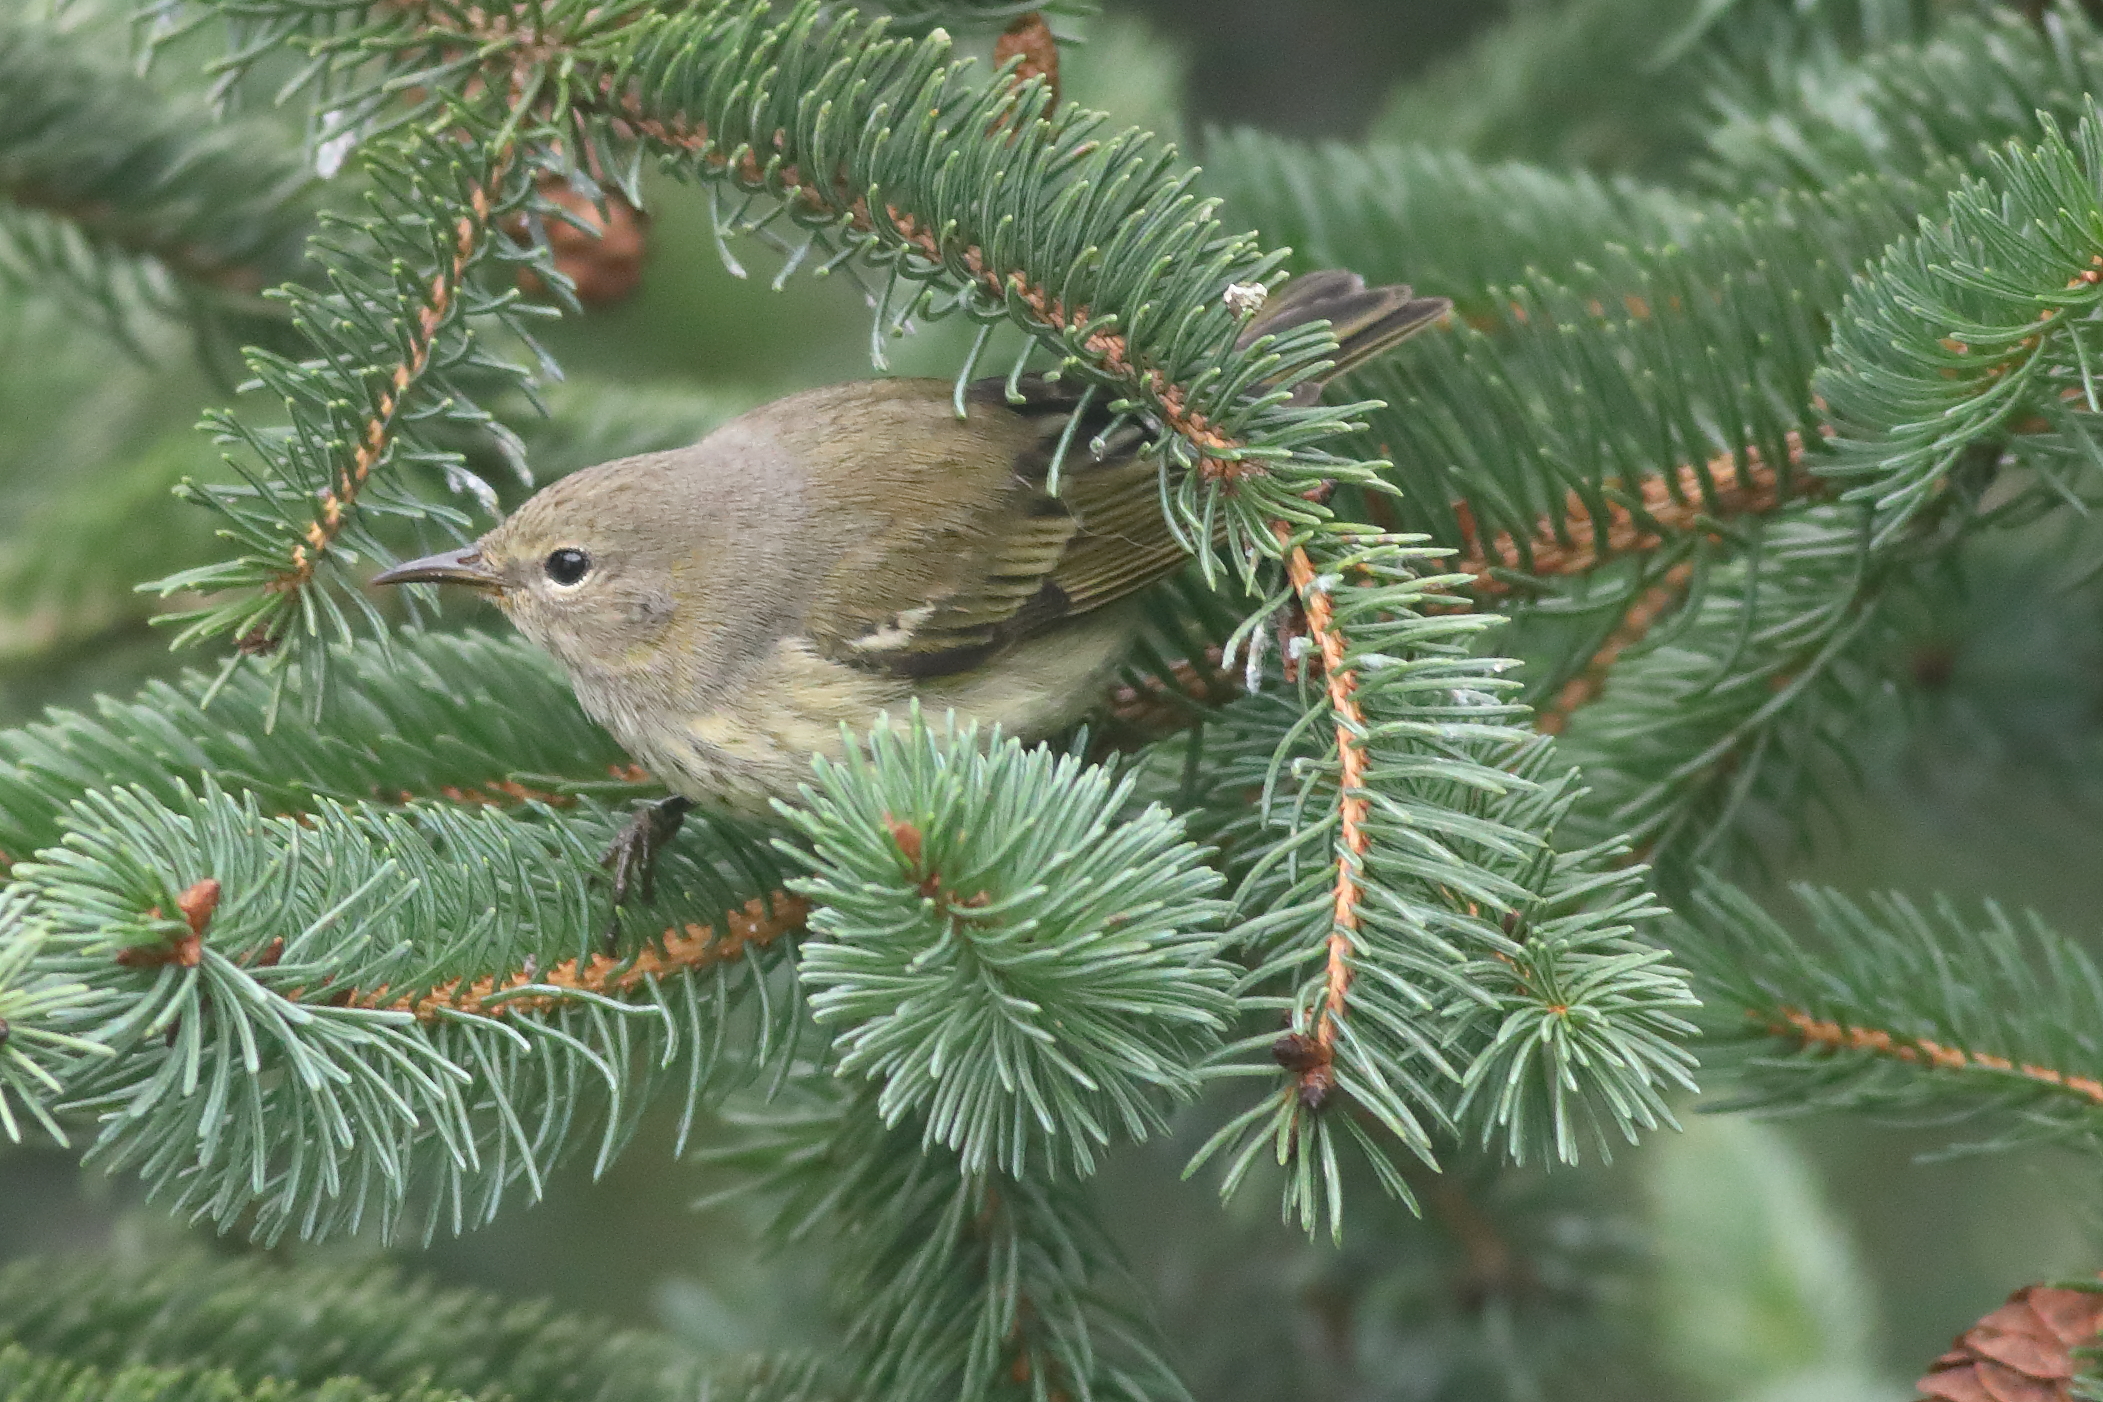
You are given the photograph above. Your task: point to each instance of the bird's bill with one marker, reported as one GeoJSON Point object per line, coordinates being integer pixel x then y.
{"type": "Point", "coordinates": [462, 566]}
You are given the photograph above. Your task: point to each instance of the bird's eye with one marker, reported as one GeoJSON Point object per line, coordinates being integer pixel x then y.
{"type": "Point", "coordinates": [567, 565]}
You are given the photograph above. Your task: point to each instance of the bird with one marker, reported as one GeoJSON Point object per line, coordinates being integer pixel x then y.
{"type": "Point", "coordinates": [724, 609]}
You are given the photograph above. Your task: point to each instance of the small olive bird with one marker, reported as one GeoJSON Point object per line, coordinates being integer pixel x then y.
{"type": "Point", "coordinates": [724, 609]}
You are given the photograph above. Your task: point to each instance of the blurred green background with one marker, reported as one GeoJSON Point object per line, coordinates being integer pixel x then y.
{"type": "Point", "coordinates": [1815, 1259]}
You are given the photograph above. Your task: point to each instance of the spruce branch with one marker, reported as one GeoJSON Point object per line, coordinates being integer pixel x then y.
{"type": "Point", "coordinates": [111, 179]}
{"type": "Point", "coordinates": [1021, 969]}
{"type": "Point", "coordinates": [1429, 216]}
{"type": "Point", "coordinates": [957, 1285]}
{"type": "Point", "coordinates": [1972, 328]}
{"type": "Point", "coordinates": [1894, 1009]}
{"type": "Point", "coordinates": [462, 718]}
{"type": "Point", "coordinates": [1352, 810]}
{"type": "Point", "coordinates": [26, 1377]}
{"type": "Point", "coordinates": [257, 1322]}
{"type": "Point", "coordinates": [1452, 1005]}
{"type": "Point", "coordinates": [394, 338]}
{"type": "Point", "coordinates": [1643, 612]}
{"type": "Point", "coordinates": [1930, 106]}
{"type": "Point", "coordinates": [1964, 346]}
{"type": "Point", "coordinates": [35, 1009]}
{"type": "Point", "coordinates": [306, 1023]}
{"type": "Point", "coordinates": [1637, 403]}
{"type": "Point", "coordinates": [1752, 695]}
{"type": "Point", "coordinates": [1690, 501]}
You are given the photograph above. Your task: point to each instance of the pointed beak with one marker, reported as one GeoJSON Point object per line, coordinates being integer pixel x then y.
{"type": "Point", "coordinates": [462, 566]}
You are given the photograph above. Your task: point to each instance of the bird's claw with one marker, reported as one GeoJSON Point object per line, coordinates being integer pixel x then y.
{"type": "Point", "coordinates": [632, 855]}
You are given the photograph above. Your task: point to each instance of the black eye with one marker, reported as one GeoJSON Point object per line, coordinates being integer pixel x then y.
{"type": "Point", "coordinates": [567, 565]}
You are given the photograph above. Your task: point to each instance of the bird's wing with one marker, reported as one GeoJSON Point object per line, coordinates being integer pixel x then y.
{"type": "Point", "coordinates": [1002, 558]}
{"type": "Point", "coordinates": [995, 557]}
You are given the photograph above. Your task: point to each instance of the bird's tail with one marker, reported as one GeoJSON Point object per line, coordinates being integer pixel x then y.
{"type": "Point", "coordinates": [1366, 320]}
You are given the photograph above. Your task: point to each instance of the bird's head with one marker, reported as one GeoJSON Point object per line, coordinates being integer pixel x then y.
{"type": "Point", "coordinates": [591, 568]}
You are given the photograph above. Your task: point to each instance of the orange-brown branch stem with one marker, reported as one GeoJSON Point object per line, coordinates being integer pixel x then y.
{"type": "Point", "coordinates": [685, 949]}
{"type": "Point", "coordinates": [1828, 1035]}
{"type": "Point", "coordinates": [338, 500]}
{"type": "Point", "coordinates": [1352, 805]}
{"type": "Point", "coordinates": [1643, 611]}
{"type": "Point", "coordinates": [1670, 506]}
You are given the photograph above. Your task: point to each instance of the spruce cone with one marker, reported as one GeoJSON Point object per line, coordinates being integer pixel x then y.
{"type": "Point", "coordinates": [1031, 38]}
{"type": "Point", "coordinates": [606, 264]}
{"type": "Point", "coordinates": [2022, 1352]}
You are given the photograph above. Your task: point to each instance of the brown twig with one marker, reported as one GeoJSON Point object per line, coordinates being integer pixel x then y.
{"type": "Point", "coordinates": [679, 950]}
{"type": "Point", "coordinates": [1635, 625]}
{"type": "Point", "coordinates": [468, 234]}
{"type": "Point", "coordinates": [1829, 1035]}
{"type": "Point", "coordinates": [1351, 802]}
{"type": "Point", "coordinates": [1576, 542]}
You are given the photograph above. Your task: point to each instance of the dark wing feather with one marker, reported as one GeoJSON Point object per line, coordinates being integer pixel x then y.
{"type": "Point", "coordinates": [1024, 561]}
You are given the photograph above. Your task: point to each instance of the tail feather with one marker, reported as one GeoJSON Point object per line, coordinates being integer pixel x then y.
{"type": "Point", "coordinates": [1366, 321]}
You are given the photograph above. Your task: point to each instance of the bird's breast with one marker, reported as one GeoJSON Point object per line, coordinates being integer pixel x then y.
{"type": "Point", "coordinates": [738, 749]}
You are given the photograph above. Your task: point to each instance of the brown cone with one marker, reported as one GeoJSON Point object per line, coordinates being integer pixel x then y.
{"type": "Point", "coordinates": [605, 265]}
{"type": "Point", "coordinates": [1030, 39]}
{"type": "Point", "coordinates": [2022, 1352]}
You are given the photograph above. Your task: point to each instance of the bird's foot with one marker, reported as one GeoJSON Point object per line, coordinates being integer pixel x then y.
{"type": "Point", "coordinates": [632, 855]}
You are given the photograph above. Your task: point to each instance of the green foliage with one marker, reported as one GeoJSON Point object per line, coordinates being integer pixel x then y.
{"type": "Point", "coordinates": [1683, 357]}
{"type": "Point", "coordinates": [956, 1284]}
{"type": "Point", "coordinates": [1728, 720]}
{"type": "Point", "coordinates": [423, 714]}
{"type": "Point", "coordinates": [319, 1060]}
{"type": "Point", "coordinates": [1951, 94]}
{"type": "Point", "coordinates": [1526, 988]}
{"type": "Point", "coordinates": [394, 353]}
{"type": "Point", "coordinates": [33, 1007]}
{"type": "Point", "coordinates": [1916, 1011]}
{"type": "Point", "coordinates": [1009, 959]}
{"type": "Point", "coordinates": [1428, 216]}
{"type": "Point", "coordinates": [24, 1377]}
{"type": "Point", "coordinates": [1579, 83]}
{"type": "Point", "coordinates": [121, 199]}
{"type": "Point", "coordinates": [346, 1332]}
{"type": "Point", "coordinates": [1960, 332]}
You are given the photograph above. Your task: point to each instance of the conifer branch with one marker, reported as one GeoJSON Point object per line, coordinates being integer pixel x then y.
{"type": "Point", "coordinates": [1637, 618]}
{"type": "Point", "coordinates": [956, 1284]}
{"type": "Point", "coordinates": [1352, 805]}
{"type": "Point", "coordinates": [1891, 1008]}
{"type": "Point", "coordinates": [679, 950]}
{"type": "Point", "coordinates": [352, 1330]}
{"type": "Point", "coordinates": [1932, 106]}
{"type": "Point", "coordinates": [1830, 1035]}
{"type": "Point", "coordinates": [342, 962]}
{"type": "Point", "coordinates": [435, 310]}
{"type": "Point", "coordinates": [469, 719]}
{"type": "Point", "coordinates": [136, 175]}
{"type": "Point", "coordinates": [1020, 1018]}
{"type": "Point", "coordinates": [1661, 508]}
